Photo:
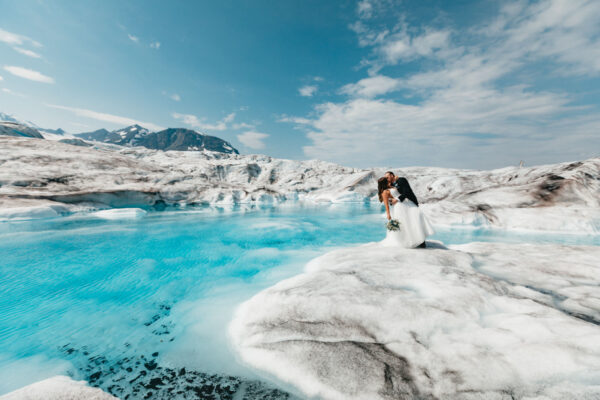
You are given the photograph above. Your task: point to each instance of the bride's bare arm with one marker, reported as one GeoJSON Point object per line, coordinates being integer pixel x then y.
{"type": "Point", "coordinates": [386, 200]}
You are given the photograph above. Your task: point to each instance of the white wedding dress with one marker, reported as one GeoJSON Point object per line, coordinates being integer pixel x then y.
{"type": "Point", "coordinates": [414, 225]}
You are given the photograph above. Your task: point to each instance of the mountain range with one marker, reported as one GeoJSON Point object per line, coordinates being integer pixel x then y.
{"type": "Point", "coordinates": [181, 139]}
{"type": "Point", "coordinates": [168, 139]}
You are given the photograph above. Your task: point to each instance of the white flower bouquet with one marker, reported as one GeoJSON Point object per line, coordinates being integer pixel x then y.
{"type": "Point", "coordinates": [393, 225]}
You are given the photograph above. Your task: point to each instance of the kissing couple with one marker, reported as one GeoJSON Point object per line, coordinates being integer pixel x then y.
{"type": "Point", "coordinates": [408, 226]}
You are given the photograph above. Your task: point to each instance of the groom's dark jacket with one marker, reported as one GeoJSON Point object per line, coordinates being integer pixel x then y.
{"type": "Point", "coordinates": [404, 189]}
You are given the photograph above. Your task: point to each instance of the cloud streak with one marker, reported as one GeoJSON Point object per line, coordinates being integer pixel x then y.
{"type": "Point", "coordinates": [28, 74]}
{"type": "Point", "coordinates": [253, 140]}
{"type": "Point", "coordinates": [100, 116]}
{"type": "Point", "coordinates": [7, 90]}
{"type": "Point", "coordinates": [201, 123]}
{"type": "Point", "coordinates": [371, 87]}
{"type": "Point", "coordinates": [173, 96]}
{"type": "Point", "coordinates": [28, 53]}
{"type": "Point", "coordinates": [15, 39]}
{"type": "Point", "coordinates": [308, 90]}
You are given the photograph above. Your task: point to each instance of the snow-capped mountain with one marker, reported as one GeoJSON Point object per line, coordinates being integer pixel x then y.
{"type": "Point", "coordinates": [17, 129]}
{"type": "Point", "coordinates": [184, 140]}
{"type": "Point", "coordinates": [8, 118]}
{"type": "Point", "coordinates": [100, 135]}
{"type": "Point", "coordinates": [11, 126]}
{"type": "Point", "coordinates": [4, 117]}
{"type": "Point", "coordinates": [124, 137]}
{"type": "Point", "coordinates": [58, 131]}
{"type": "Point", "coordinates": [131, 135]}
{"type": "Point", "coordinates": [168, 139]}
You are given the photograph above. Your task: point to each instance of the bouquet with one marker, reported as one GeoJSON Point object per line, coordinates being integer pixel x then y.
{"type": "Point", "coordinates": [393, 225]}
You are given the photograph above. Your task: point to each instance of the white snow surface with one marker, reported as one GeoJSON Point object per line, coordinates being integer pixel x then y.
{"type": "Point", "coordinates": [476, 321]}
{"type": "Point", "coordinates": [58, 388]}
{"type": "Point", "coordinates": [558, 197]}
{"type": "Point", "coordinates": [120, 213]}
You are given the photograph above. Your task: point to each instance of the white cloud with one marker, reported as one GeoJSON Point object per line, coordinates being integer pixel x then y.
{"type": "Point", "coordinates": [201, 124]}
{"type": "Point", "coordinates": [469, 104]}
{"type": "Point", "coordinates": [155, 45]}
{"type": "Point", "coordinates": [229, 117]}
{"type": "Point", "coordinates": [133, 38]}
{"type": "Point", "coordinates": [295, 120]}
{"type": "Point", "coordinates": [7, 90]}
{"type": "Point", "coordinates": [308, 90]}
{"type": "Point", "coordinates": [402, 46]}
{"type": "Point", "coordinates": [27, 52]}
{"type": "Point", "coordinates": [173, 96]}
{"type": "Point", "coordinates": [28, 74]}
{"type": "Point", "coordinates": [372, 86]}
{"type": "Point", "coordinates": [318, 79]}
{"type": "Point", "coordinates": [1, 78]}
{"type": "Point", "coordinates": [253, 140]}
{"type": "Point", "coordinates": [242, 125]}
{"type": "Point", "coordinates": [114, 119]}
{"type": "Point", "coordinates": [15, 39]}
{"type": "Point", "coordinates": [566, 32]}
{"type": "Point", "coordinates": [388, 130]}
{"type": "Point", "coordinates": [364, 9]}
{"type": "Point", "coordinates": [367, 36]}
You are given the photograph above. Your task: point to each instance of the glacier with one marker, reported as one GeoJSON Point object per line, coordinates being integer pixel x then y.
{"type": "Point", "coordinates": [474, 321]}
{"type": "Point", "coordinates": [49, 176]}
{"type": "Point", "coordinates": [470, 321]}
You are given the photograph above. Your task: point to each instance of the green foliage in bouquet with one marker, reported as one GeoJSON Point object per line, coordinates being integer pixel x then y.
{"type": "Point", "coordinates": [393, 225]}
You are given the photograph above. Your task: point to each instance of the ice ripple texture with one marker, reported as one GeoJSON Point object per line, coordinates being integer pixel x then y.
{"type": "Point", "coordinates": [474, 321]}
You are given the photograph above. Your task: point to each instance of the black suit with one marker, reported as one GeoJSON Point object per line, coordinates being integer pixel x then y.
{"type": "Point", "coordinates": [404, 189]}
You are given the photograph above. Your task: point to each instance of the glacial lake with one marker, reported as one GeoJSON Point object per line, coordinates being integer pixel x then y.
{"type": "Point", "coordinates": [138, 306]}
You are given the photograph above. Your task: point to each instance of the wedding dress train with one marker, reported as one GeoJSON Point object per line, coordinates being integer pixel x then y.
{"type": "Point", "coordinates": [414, 225]}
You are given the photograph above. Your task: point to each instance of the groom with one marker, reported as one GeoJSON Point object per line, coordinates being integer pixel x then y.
{"type": "Point", "coordinates": [404, 189]}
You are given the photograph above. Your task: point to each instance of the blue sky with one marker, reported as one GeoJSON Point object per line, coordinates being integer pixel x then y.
{"type": "Point", "coordinates": [470, 84]}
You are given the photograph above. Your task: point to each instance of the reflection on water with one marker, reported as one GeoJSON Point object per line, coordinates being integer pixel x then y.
{"type": "Point", "coordinates": [135, 301]}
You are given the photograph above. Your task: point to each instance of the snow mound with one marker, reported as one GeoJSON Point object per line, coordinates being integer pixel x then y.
{"type": "Point", "coordinates": [58, 388]}
{"type": "Point", "coordinates": [120, 213]}
{"type": "Point", "coordinates": [479, 321]}
{"type": "Point", "coordinates": [20, 209]}
{"type": "Point", "coordinates": [33, 212]}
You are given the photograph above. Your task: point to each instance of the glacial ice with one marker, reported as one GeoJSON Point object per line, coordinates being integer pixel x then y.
{"type": "Point", "coordinates": [558, 197]}
{"type": "Point", "coordinates": [475, 321]}
{"type": "Point", "coordinates": [478, 321]}
{"type": "Point", "coordinates": [58, 388]}
{"type": "Point", "coordinates": [120, 213]}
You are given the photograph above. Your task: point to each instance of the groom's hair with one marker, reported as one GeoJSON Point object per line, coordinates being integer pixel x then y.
{"type": "Point", "coordinates": [390, 172]}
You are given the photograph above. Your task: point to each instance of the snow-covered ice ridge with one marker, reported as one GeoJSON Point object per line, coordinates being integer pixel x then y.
{"type": "Point", "coordinates": [44, 178]}
{"type": "Point", "coordinates": [476, 321]}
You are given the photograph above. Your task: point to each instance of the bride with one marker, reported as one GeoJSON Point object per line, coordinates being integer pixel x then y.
{"type": "Point", "coordinates": [414, 226]}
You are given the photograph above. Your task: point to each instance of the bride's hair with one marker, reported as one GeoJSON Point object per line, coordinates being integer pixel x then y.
{"type": "Point", "coordinates": [382, 184]}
